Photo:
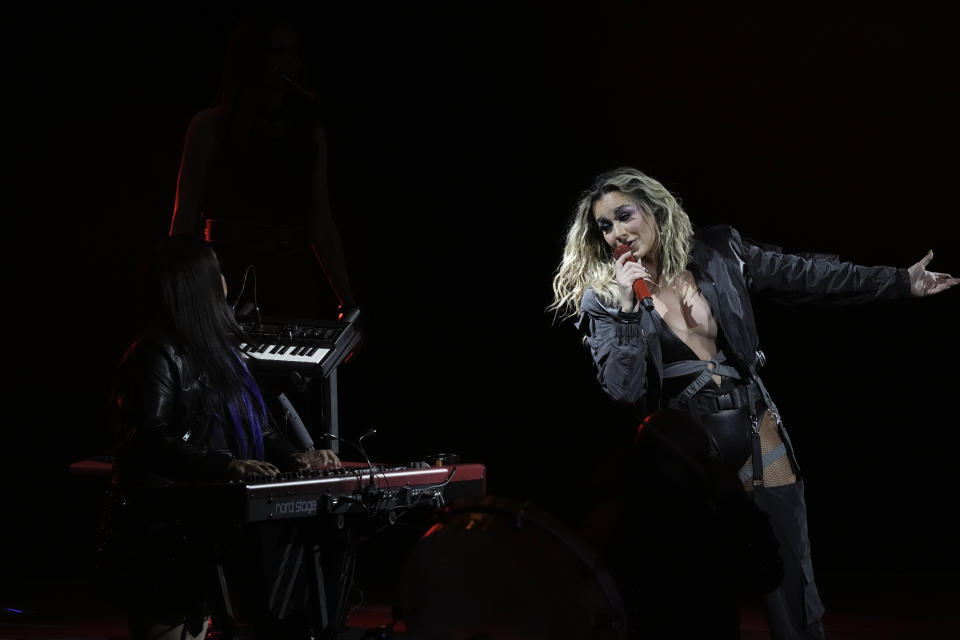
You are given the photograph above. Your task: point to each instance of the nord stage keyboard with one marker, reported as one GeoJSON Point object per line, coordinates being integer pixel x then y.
{"type": "Point", "coordinates": [352, 489]}
{"type": "Point", "coordinates": [291, 344]}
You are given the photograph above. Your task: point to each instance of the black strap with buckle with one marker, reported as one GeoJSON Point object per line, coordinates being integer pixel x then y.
{"type": "Point", "coordinates": [736, 398]}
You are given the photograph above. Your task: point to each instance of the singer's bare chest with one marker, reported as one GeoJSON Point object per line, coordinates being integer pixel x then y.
{"type": "Point", "coordinates": [688, 314]}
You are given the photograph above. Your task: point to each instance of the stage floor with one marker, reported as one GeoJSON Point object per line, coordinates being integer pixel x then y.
{"type": "Point", "coordinates": [860, 606]}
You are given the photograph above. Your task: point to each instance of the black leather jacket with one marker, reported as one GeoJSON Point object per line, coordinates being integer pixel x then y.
{"type": "Point", "coordinates": [165, 429]}
{"type": "Point", "coordinates": [728, 269]}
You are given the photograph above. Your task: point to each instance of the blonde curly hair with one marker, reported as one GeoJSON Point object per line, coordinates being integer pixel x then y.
{"type": "Point", "coordinates": [588, 260]}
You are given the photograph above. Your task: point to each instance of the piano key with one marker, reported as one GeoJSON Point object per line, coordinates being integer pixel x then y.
{"type": "Point", "coordinates": [276, 344]}
{"type": "Point", "coordinates": [271, 354]}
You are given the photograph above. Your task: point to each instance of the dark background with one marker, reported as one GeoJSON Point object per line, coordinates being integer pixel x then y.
{"type": "Point", "coordinates": [459, 139]}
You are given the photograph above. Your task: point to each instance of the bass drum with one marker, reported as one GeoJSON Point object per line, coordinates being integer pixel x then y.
{"type": "Point", "coordinates": [493, 568]}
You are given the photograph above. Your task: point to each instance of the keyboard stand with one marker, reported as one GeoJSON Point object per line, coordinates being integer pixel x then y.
{"type": "Point", "coordinates": [331, 409]}
{"type": "Point", "coordinates": [299, 372]}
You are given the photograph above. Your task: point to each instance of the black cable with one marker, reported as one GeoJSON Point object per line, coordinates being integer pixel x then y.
{"type": "Point", "coordinates": [445, 482]}
{"type": "Point", "coordinates": [363, 452]}
{"type": "Point", "coordinates": [243, 287]}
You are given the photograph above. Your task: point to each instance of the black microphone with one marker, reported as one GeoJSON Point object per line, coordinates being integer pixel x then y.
{"type": "Point", "coordinates": [358, 445]}
{"type": "Point", "coordinates": [639, 286]}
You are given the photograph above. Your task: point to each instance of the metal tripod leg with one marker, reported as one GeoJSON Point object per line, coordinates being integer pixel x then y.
{"type": "Point", "coordinates": [223, 614]}
{"type": "Point", "coordinates": [331, 409]}
{"type": "Point", "coordinates": [340, 556]}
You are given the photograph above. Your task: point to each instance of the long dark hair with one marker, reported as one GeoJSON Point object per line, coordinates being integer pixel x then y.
{"type": "Point", "coordinates": [183, 296]}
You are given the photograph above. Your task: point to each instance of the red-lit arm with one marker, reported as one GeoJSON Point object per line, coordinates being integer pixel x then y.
{"type": "Point", "coordinates": [324, 237]}
{"type": "Point", "coordinates": [198, 147]}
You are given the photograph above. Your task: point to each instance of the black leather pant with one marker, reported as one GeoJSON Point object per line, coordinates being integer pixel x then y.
{"type": "Point", "coordinates": [794, 609]}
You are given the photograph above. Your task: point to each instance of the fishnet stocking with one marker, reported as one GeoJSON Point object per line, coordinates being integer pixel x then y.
{"type": "Point", "coordinates": [779, 472]}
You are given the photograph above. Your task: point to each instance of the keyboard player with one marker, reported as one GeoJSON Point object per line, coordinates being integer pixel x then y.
{"type": "Point", "coordinates": [188, 410]}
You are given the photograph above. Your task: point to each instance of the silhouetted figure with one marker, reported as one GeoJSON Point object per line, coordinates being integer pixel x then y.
{"type": "Point", "coordinates": [253, 179]}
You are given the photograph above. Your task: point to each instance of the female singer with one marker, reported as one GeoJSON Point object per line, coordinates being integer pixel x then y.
{"type": "Point", "coordinates": [669, 323]}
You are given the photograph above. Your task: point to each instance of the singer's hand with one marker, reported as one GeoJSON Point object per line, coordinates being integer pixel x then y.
{"type": "Point", "coordinates": [628, 272]}
{"type": "Point", "coordinates": [240, 469]}
{"type": "Point", "coordinates": [317, 459]}
{"type": "Point", "coordinates": [927, 283]}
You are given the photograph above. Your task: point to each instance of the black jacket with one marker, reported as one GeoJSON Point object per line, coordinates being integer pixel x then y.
{"type": "Point", "coordinates": [166, 431]}
{"type": "Point", "coordinates": [728, 269]}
